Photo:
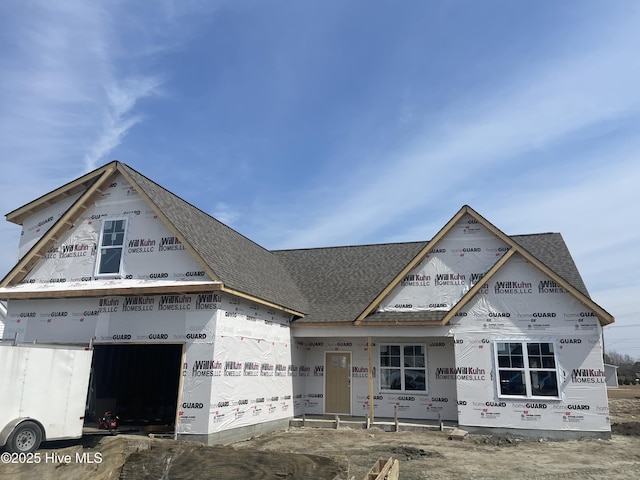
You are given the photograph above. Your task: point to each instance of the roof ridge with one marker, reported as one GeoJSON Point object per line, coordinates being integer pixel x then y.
{"type": "Point", "coordinates": [194, 207]}
{"type": "Point", "coordinates": [349, 246]}
{"type": "Point", "coordinates": [413, 242]}
{"type": "Point", "coordinates": [536, 233]}
{"type": "Point", "coordinates": [241, 264]}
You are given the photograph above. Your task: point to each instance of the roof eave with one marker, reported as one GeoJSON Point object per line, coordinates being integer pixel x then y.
{"type": "Point", "coordinates": [604, 317]}
{"type": "Point", "coordinates": [62, 225]}
{"type": "Point", "coordinates": [80, 184]}
{"type": "Point", "coordinates": [410, 266]}
{"type": "Point", "coordinates": [141, 191]}
{"type": "Point", "coordinates": [6, 294]}
{"type": "Point", "coordinates": [266, 303]}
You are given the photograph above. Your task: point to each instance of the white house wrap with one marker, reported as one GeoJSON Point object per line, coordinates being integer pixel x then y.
{"type": "Point", "coordinates": [199, 329]}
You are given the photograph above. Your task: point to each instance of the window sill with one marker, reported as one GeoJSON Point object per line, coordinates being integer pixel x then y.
{"type": "Point", "coordinates": [414, 393]}
{"type": "Point", "coordinates": [522, 398]}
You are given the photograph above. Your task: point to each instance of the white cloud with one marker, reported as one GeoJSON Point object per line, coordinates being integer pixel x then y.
{"type": "Point", "coordinates": [62, 96]}
{"type": "Point", "coordinates": [549, 104]}
{"type": "Point", "coordinates": [523, 157]}
{"type": "Point", "coordinates": [118, 117]}
{"type": "Point", "coordinates": [73, 74]}
{"type": "Point", "coordinates": [225, 213]}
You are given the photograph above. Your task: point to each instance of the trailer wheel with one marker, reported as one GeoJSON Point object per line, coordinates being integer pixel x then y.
{"type": "Point", "coordinates": [25, 438]}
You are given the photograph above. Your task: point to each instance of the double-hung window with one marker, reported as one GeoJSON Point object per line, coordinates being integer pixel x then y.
{"type": "Point", "coordinates": [111, 247]}
{"type": "Point", "coordinates": [403, 368]}
{"type": "Point", "coordinates": [526, 369]}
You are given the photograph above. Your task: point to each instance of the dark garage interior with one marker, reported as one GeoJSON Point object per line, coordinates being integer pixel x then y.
{"type": "Point", "coordinates": [139, 383]}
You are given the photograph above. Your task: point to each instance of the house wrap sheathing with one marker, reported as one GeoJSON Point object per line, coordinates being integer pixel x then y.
{"type": "Point", "coordinates": [199, 327]}
{"type": "Point", "coordinates": [3, 314]}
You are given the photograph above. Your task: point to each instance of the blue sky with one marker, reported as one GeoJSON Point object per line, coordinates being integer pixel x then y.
{"type": "Point", "coordinates": [305, 124]}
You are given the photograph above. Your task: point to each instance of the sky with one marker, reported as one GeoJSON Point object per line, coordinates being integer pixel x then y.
{"type": "Point", "coordinates": [307, 123]}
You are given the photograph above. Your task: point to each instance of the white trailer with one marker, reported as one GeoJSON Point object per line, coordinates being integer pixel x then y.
{"type": "Point", "coordinates": [43, 393]}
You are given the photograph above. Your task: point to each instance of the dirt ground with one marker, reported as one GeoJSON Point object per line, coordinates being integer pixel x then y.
{"type": "Point", "coordinates": [313, 453]}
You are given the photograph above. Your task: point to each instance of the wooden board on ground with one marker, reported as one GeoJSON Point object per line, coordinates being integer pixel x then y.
{"type": "Point", "coordinates": [384, 469]}
{"type": "Point", "coordinates": [457, 434]}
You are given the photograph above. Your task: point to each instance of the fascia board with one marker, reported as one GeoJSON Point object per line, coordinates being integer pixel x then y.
{"type": "Point", "coordinates": [471, 293]}
{"type": "Point", "coordinates": [11, 293]}
{"type": "Point", "coordinates": [62, 225]}
{"type": "Point", "coordinates": [604, 317]}
{"type": "Point", "coordinates": [18, 215]}
{"type": "Point", "coordinates": [161, 215]}
{"type": "Point", "coordinates": [260, 301]}
{"type": "Point", "coordinates": [411, 265]}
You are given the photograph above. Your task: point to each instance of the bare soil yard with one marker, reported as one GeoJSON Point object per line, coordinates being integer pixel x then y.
{"type": "Point", "coordinates": [313, 453]}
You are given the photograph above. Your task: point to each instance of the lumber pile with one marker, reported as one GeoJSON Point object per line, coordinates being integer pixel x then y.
{"type": "Point", "coordinates": [384, 469]}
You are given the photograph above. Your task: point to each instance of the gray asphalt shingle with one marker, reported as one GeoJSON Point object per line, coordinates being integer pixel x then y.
{"type": "Point", "coordinates": [328, 285]}
{"type": "Point", "coordinates": [341, 282]}
{"type": "Point", "coordinates": [240, 263]}
{"type": "Point", "coordinates": [334, 284]}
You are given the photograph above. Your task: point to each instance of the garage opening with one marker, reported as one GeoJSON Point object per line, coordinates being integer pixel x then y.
{"type": "Point", "coordinates": [139, 383]}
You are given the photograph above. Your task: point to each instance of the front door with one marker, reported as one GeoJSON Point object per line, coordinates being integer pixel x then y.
{"type": "Point", "coordinates": [338, 382]}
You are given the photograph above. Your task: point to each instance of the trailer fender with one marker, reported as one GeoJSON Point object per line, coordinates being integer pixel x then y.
{"type": "Point", "coordinates": [11, 426]}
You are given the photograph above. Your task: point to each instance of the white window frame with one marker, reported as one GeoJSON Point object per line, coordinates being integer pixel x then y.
{"type": "Point", "coordinates": [402, 368]}
{"type": "Point", "coordinates": [527, 369]}
{"type": "Point", "coordinates": [101, 247]}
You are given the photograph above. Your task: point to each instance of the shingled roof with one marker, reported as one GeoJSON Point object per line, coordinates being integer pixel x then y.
{"type": "Point", "coordinates": [341, 282]}
{"type": "Point", "coordinates": [244, 267]}
{"type": "Point", "coordinates": [327, 285]}
{"type": "Point", "coordinates": [551, 250]}
{"type": "Point", "coordinates": [239, 263]}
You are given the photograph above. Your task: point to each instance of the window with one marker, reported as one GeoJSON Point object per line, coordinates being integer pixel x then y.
{"type": "Point", "coordinates": [110, 247]}
{"type": "Point", "coordinates": [403, 368]}
{"type": "Point", "coordinates": [526, 369]}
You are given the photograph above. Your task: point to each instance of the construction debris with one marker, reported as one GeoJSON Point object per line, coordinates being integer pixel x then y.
{"type": "Point", "coordinates": [384, 469]}
{"type": "Point", "coordinates": [457, 434]}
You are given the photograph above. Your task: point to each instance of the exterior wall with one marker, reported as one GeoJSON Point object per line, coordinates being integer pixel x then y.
{"type": "Point", "coordinates": [151, 251]}
{"type": "Point", "coordinates": [117, 319]}
{"type": "Point", "coordinates": [440, 398]}
{"type": "Point", "coordinates": [447, 272]}
{"type": "Point", "coordinates": [225, 338]}
{"type": "Point", "coordinates": [243, 369]}
{"type": "Point", "coordinates": [518, 304]}
{"type": "Point", "coordinates": [3, 314]}
{"type": "Point", "coordinates": [521, 304]}
{"type": "Point", "coordinates": [298, 375]}
{"type": "Point", "coordinates": [253, 353]}
{"type": "Point", "coordinates": [237, 354]}
{"type": "Point", "coordinates": [37, 225]}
